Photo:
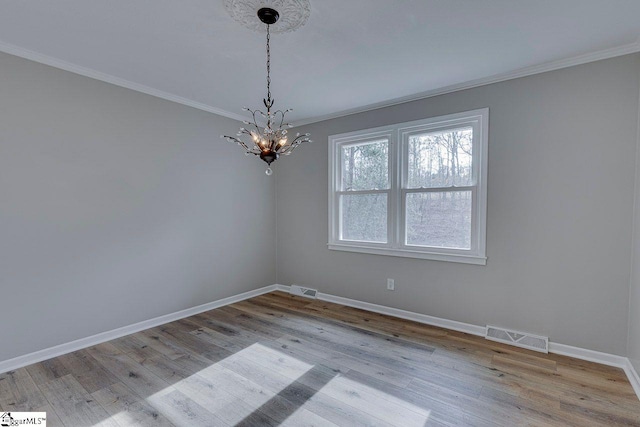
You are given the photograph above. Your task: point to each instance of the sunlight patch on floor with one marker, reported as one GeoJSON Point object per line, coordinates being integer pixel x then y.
{"type": "Point", "coordinates": [123, 418]}
{"type": "Point", "coordinates": [223, 392]}
{"type": "Point", "coordinates": [376, 402]}
{"type": "Point", "coordinates": [232, 389]}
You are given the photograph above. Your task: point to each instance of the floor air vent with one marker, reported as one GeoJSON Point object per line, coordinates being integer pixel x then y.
{"type": "Point", "coordinates": [519, 339]}
{"type": "Point", "coordinates": [303, 292]}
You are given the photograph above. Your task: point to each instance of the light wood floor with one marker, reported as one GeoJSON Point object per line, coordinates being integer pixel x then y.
{"type": "Point", "coordinates": [281, 360]}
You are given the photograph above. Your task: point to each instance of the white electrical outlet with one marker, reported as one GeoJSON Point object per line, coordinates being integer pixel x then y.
{"type": "Point", "coordinates": [391, 284]}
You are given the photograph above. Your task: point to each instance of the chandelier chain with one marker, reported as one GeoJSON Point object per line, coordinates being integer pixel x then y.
{"type": "Point", "coordinates": [268, 65]}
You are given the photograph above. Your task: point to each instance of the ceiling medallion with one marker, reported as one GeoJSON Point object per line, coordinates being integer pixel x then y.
{"type": "Point", "coordinates": [271, 141]}
{"type": "Point", "coordinates": [293, 13]}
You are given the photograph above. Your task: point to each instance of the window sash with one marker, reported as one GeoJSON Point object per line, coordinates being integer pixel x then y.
{"type": "Point", "coordinates": [366, 141]}
{"type": "Point", "coordinates": [474, 226]}
{"type": "Point", "coordinates": [359, 140]}
{"type": "Point", "coordinates": [398, 136]}
{"type": "Point", "coordinates": [338, 204]}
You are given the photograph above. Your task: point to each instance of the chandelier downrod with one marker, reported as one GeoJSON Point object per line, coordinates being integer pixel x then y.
{"type": "Point", "coordinates": [268, 102]}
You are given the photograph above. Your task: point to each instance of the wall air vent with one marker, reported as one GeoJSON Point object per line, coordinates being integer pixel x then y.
{"type": "Point", "coordinates": [519, 339]}
{"type": "Point", "coordinates": [303, 292]}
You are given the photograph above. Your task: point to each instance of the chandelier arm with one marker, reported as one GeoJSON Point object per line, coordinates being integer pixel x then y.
{"type": "Point", "coordinates": [289, 148]}
{"type": "Point", "coordinates": [255, 122]}
{"type": "Point", "coordinates": [282, 113]}
{"type": "Point", "coordinates": [246, 132]}
{"type": "Point", "coordinates": [237, 141]}
{"type": "Point", "coordinates": [301, 138]}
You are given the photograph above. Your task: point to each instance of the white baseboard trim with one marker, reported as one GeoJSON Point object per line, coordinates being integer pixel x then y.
{"type": "Point", "coordinates": [58, 350]}
{"type": "Point", "coordinates": [633, 376]}
{"type": "Point", "coordinates": [561, 349]}
{"type": "Point", "coordinates": [588, 355]}
{"type": "Point", "coordinates": [408, 315]}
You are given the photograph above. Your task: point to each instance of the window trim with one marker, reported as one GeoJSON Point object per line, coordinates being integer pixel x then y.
{"type": "Point", "coordinates": [397, 135]}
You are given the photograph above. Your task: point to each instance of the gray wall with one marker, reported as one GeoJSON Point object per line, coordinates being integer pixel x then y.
{"type": "Point", "coordinates": [633, 350]}
{"type": "Point", "coordinates": [562, 149]}
{"type": "Point", "coordinates": [117, 207]}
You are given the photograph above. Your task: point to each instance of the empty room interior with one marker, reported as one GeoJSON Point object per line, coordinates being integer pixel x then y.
{"type": "Point", "coordinates": [319, 213]}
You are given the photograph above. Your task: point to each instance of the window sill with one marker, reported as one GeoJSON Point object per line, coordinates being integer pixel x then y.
{"type": "Point", "coordinates": [407, 253]}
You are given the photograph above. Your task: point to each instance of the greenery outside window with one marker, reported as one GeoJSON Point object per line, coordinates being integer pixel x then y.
{"type": "Point", "coordinates": [415, 189]}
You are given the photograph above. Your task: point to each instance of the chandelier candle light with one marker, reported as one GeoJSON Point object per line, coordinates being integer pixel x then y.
{"type": "Point", "coordinates": [270, 141]}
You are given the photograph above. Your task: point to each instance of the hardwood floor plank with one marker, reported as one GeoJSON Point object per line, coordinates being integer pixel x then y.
{"type": "Point", "coordinates": [73, 405]}
{"type": "Point", "coordinates": [472, 407]}
{"type": "Point", "coordinates": [19, 392]}
{"type": "Point", "coordinates": [303, 393]}
{"type": "Point", "coordinates": [331, 358]}
{"type": "Point", "coordinates": [306, 419]}
{"type": "Point", "coordinates": [126, 408]}
{"type": "Point", "coordinates": [52, 418]}
{"type": "Point", "coordinates": [87, 371]}
{"type": "Point", "coordinates": [263, 401]}
{"type": "Point", "coordinates": [183, 411]}
{"type": "Point", "coordinates": [382, 353]}
{"type": "Point", "coordinates": [47, 370]}
{"type": "Point", "coordinates": [328, 382]}
{"type": "Point", "coordinates": [232, 344]}
{"type": "Point", "coordinates": [176, 337]}
{"type": "Point", "coordinates": [151, 338]}
{"type": "Point", "coordinates": [375, 356]}
{"type": "Point", "coordinates": [599, 415]}
{"type": "Point", "coordinates": [341, 361]}
{"type": "Point", "coordinates": [411, 351]}
{"type": "Point", "coordinates": [214, 397]}
{"type": "Point", "coordinates": [282, 360]}
{"type": "Point", "coordinates": [132, 374]}
{"type": "Point", "coordinates": [129, 343]}
{"type": "Point", "coordinates": [431, 403]}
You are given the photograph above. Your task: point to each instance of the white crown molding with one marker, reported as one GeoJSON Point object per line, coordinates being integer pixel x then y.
{"type": "Point", "coordinates": [496, 78]}
{"type": "Point", "coordinates": [58, 350]}
{"type": "Point", "coordinates": [108, 78]}
{"type": "Point", "coordinates": [523, 72]}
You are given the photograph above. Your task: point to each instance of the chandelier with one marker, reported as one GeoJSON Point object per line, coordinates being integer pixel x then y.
{"type": "Point", "coordinates": [272, 140]}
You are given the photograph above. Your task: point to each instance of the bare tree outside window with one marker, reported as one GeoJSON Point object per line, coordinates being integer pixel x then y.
{"type": "Point", "coordinates": [441, 220]}
{"type": "Point", "coordinates": [438, 161]}
{"type": "Point", "coordinates": [364, 217]}
{"type": "Point", "coordinates": [441, 159]}
{"type": "Point", "coordinates": [365, 167]}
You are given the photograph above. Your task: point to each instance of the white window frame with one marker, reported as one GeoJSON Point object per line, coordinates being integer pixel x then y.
{"type": "Point", "coordinates": [397, 136]}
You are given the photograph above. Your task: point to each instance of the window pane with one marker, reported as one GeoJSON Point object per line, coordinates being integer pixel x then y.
{"type": "Point", "coordinates": [365, 166]}
{"type": "Point", "coordinates": [439, 219]}
{"type": "Point", "coordinates": [364, 217]}
{"type": "Point", "coordinates": [440, 159]}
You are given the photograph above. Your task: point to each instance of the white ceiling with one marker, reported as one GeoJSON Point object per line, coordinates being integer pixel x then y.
{"type": "Point", "coordinates": [351, 54]}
